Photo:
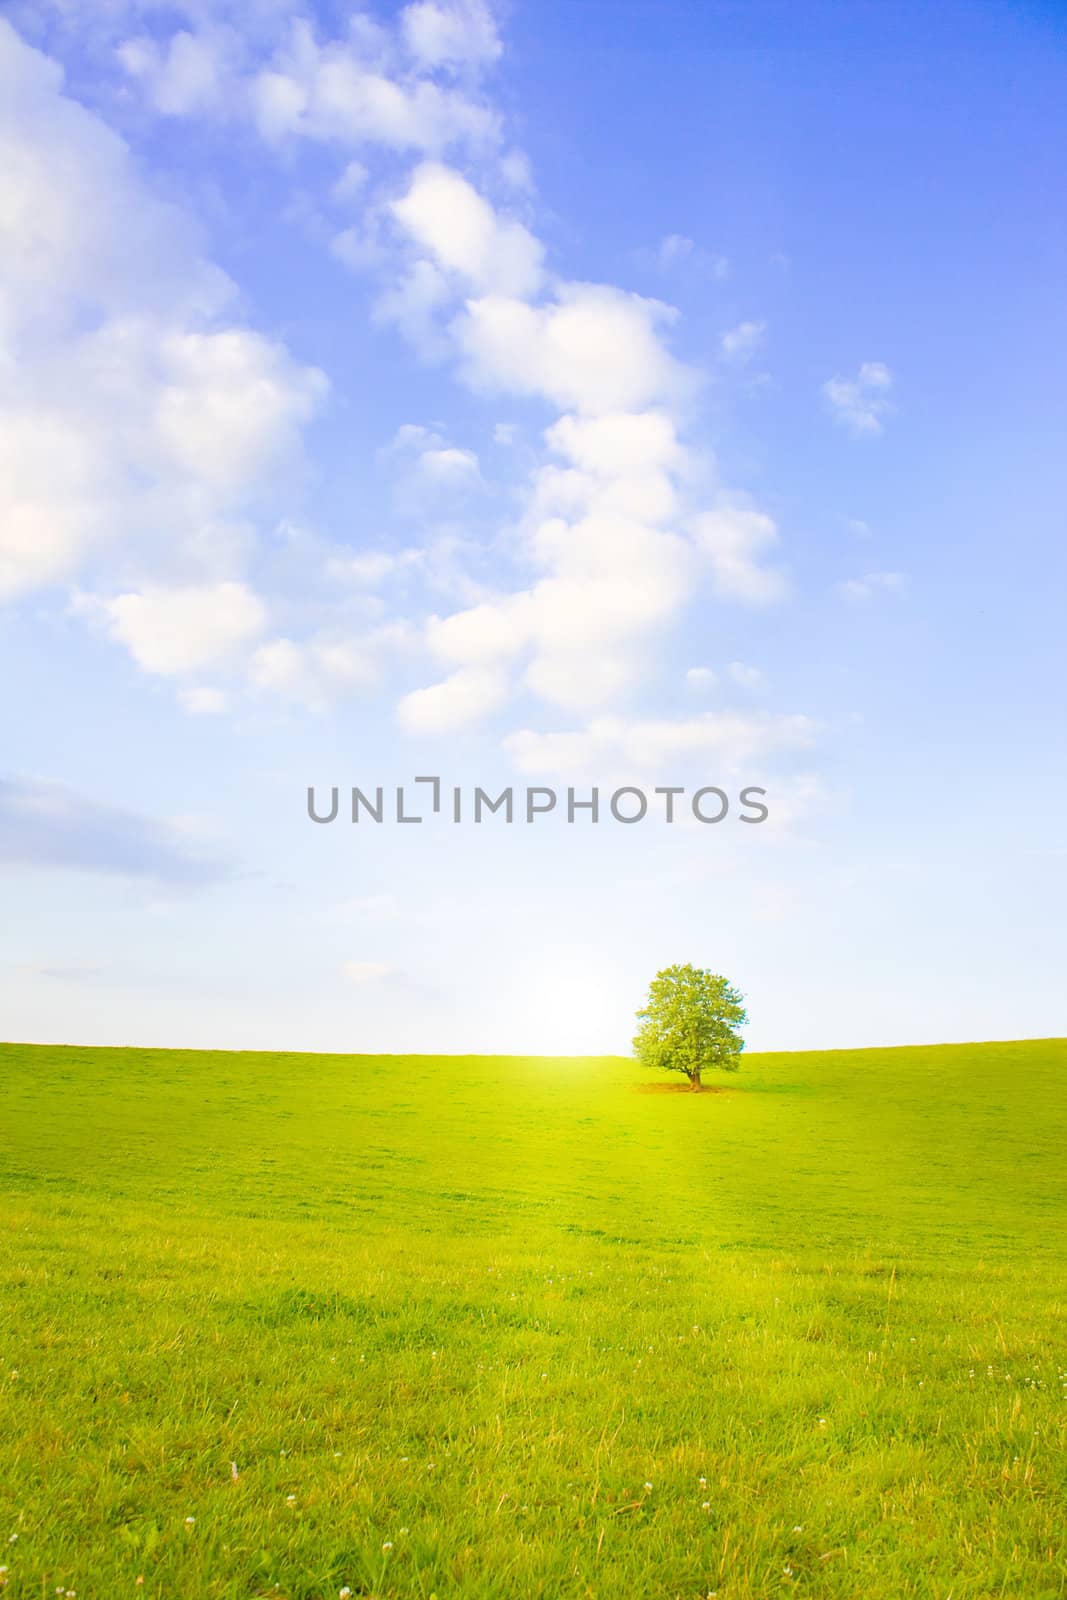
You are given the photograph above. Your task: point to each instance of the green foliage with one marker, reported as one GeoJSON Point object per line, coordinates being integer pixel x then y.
{"type": "Point", "coordinates": [690, 1022]}
{"type": "Point", "coordinates": [448, 1318]}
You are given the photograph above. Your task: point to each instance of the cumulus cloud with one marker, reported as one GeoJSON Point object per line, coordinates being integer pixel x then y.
{"type": "Point", "coordinates": [446, 216]}
{"type": "Point", "coordinates": [460, 33]}
{"type": "Point", "coordinates": [861, 404]}
{"type": "Point", "coordinates": [467, 696]}
{"type": "Point", "coordinates": [138, 423]}
{"type": "Point", "coordinates": [343, 91]}
{"type": "Point", "coordinates": [171, 631]}
{"type": "Point", "coordinates": [604, 529]}
{"type": "Point", "coordinates": [612, 575]}
{"type": "Point", "coordinates": [592, 348]}
{"type": "Point", "coordinates": [610, 541]}
{"type": "Point", "coordinates": [47, 825]}
{"type": "Point", "coordinates": [430, 468]}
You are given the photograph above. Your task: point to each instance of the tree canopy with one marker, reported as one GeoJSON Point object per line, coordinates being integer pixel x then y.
{"type": "Point", "coordinates": [690, 1023]}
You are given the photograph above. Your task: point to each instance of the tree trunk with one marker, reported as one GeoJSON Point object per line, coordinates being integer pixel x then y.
{"type": "Point", "coordinates": [694, 1081]}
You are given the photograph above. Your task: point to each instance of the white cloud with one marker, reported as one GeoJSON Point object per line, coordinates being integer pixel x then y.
{"type": "Point", "coordinates": [746, 677]}
{"type": "Point", "coordinates": [231, 403]}
{"type": "Point", "coordinates": [449, 465]}
{"type": "Point", "coordinates": [861, 403]}
{"type": "Point", "coordinates": [446, 216]}
{"type": "Point", "coordinates": [366, 567]}
{"type": "Point", "coordinates": [592, 349]}
{"type": "Point", "coordinates": [429, 467]}
{"type": "Point", "coordinates": [676, 249]}
{"type": "Point", "coordinates": [131, 422]}
{"type": "Point", "coordinates": [701, 678]}
{"type": "Point", "coordinates": [741, 343]}
{"type": "Point", "coordinates": [203, 702]}
{"type": "Point", "coordinates": [459, 33]}
{"type": "Point", "coordinates": [736, 538]}
{"type": "Point", "coordinates": [614, 549]}
{"type": "Point", "coordinates": [466, 697]}
{"type": "Point", "coordinates": [860, 590]}
{"type": "Point", "coordinates": [608, 745]}
{"type": "Point", "coordinates": [492, 631]}
{"type": "Point", "coordinates": [619, 444]}
{"type": "Point", "coordinates": [515, 170]}
{"type": "Point", "coordinates": [342, 92]}
{"type": "Point", "coordinates": [351, 182]}
{"type": "Point", "coordinates": [607, 546]}
{"type": "Point", "coordinates": [173, 631]}
{"type": "Point", "coordinates": [188, 75]}
{"type": "Point", "coordinates": [78, 229]}
{"type": "Point", "coordinates": [327, 667]}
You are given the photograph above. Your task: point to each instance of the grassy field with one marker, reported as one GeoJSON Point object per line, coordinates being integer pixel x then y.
{"type": "Point", "coordinates": [309, 1326]}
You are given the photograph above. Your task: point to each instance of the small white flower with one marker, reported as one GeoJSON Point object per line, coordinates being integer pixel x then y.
{"type": "Point", "coordinates": [189, 1521]}
{"type": "Point", "coordinates": [290, 1499]}
{"type": "Point", "coordinates": [798, 1527]}
{"type": "Point", "coordinates": [706, 1506]}
{"type": "Point", "coordinates": [345, 1593]}
{"type": "Point", "coordinates": [387, 1545]}
{"type": "Point", "coordinates": [648, 1487]}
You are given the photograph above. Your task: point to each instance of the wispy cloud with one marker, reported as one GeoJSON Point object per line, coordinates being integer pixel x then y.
{"type": "Point", "coordinates": [43, 825]}
{"type": "Point", "coordinates": [862, 403]}
{"type": "Point", "coordinates": [859, 590]}
{"type": "Point", "coordinates": [741, 343]}
{"type": "Point", "coordinates": [677, 250]}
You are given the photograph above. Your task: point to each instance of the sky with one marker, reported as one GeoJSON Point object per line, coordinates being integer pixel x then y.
{"type": "Point", "coordinates": [536, 395]}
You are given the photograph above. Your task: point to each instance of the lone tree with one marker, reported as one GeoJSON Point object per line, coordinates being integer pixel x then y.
{"type": "Point", "coordinates": [690, 1022]}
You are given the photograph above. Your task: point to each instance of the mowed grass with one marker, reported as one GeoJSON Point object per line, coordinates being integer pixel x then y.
{"type": "Point", "coordinates": [282, 1325]}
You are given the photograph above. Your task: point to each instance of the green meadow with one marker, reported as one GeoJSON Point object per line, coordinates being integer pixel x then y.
{"type": "Point", "coordinates": [310, 1326]}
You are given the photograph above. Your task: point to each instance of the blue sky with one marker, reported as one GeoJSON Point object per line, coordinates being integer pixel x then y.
{"type": "Point", "coordinates": [624, 393]}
